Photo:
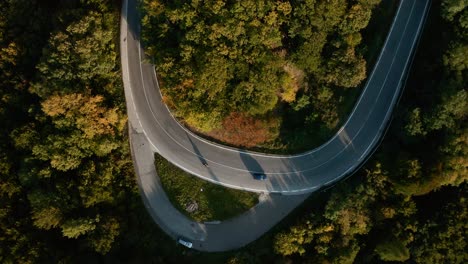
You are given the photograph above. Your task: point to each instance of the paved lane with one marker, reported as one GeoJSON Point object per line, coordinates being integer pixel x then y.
{"type": "Point", "coordinates": [150, 120]}
{"type": "Point", "coordinates": [287, 174]}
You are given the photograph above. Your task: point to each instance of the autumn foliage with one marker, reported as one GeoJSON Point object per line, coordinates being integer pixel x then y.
{"type": "Point", "coordinates": [243, 130]}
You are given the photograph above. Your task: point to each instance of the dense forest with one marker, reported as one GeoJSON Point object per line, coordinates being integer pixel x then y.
{"type": "Point", "coordinates": [235, 70]}
{"type": "Point", "coordinates": [66, 178]}
{"type": "Point", "coordinates": [67, 187]}
{"type": "Point", "coordinates": [395, 209]}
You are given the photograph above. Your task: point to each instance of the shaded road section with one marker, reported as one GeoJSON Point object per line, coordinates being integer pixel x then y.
{"type": "Point", "coordinates": [152, 128]}
{"type": "Point", "coordinates": [287, 174]}
{"type": "Point", "coordinates": [211, 237]}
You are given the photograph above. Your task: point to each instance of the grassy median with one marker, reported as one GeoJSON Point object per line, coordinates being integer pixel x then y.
{"type": "Point", "coordinates": [214, 201]}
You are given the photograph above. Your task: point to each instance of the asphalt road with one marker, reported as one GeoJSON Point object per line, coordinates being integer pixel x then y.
{"type": "Point", "coordinates": [213, 236]}
{"type": "Point", "coordinates": [287, 174]}
{"type": "Point", "coordinates": [143, 106]}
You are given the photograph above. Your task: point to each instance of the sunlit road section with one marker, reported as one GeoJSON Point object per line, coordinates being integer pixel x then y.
{"type": "Point", "coordinates": [152, 128]}
{"type": "Point", "coordinates": [287, 174]}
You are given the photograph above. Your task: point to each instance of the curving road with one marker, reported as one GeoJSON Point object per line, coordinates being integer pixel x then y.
{"type": "Point", "coordinates": [287, 174]}
{"type": "Point", "coordinates": [152, 125]}
{"type": "Point", "coordinates": [209, 236]}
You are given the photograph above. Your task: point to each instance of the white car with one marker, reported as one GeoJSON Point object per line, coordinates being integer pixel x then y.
{"type": "Point", "coordinates": [184, 242]}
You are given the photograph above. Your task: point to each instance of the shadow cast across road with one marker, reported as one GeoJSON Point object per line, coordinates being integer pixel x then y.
{"type": "Point", "coordinates": [133, 24]}
{"type": "Point", "coordinates": [288, 177]}
{"type": "Point", "coordinates": [203, 161]}
{"type": "Point", "coordinates": [250, 163]}
{"type": "Point", "coordinates": [283, 175]}
{"type": "Point", "coordinates": [280, 180]}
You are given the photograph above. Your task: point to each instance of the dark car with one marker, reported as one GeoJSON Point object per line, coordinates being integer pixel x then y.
{"type": "Point", "coordinates": [259, 176]}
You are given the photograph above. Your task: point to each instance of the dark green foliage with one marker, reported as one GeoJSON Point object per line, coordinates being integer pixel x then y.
{"type": "Point", "coordinates": [392, 249]}
{"type": "Point", "coordinates": [70, 62]}
{"type": "Point", "coordinates": [67, 190]}
{"type": "Point", "coordinates": [216, 58]}
{"type": "Point", "coordinates": [219, 56]}
{"type": "Point", "coordinates": [401, 209]}
{"type": "Point", "coordinates": [351, 212]}
{"type": "Point", "coordinates": [77, 127]}
{"type": "Point", "coordinates": [442, 120]}
{"type": "Point", "coordinates": [65, 165]}
{"type": "Point", "coordinates": [442, 238]}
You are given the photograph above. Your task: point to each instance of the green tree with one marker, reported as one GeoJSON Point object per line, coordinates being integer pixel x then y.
{"type": "Point", "coordinates": [47, 218]}
{"type": "Point", "coordinates": [451, 8]}
{"type": "Point", "coordinates": [392, 249]}
{"type": "Point", "coordinates": [415, 125]}
{"type": "Point", "coordinates": [217, 58]}
{"type": "Point", "coordinates": [345, 69]}
{"type": "Point", "coordinates": [453, 108]}
{"type": "Point", "coordinates": [73, 228]}
{"type": "Point", "coordinates": [71, 61]}
{"type": "Point", "coordinates": [442, 238]}
{"type": "Point", "coordinates": [104, 236]}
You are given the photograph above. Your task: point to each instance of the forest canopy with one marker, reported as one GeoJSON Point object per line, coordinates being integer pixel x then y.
{"type": "Point", "coordinates": [410, 204]}
{"type": "Point", "coordinates": [250, 58]}
{"type": "Point", "coordinates": [67, 187]}
{"type": "Point", "coordinates": [65, 163]}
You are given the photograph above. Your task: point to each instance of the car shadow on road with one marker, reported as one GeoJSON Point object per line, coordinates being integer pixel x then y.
{"type": "Point", "coordinates": [204, 162]}
{"type": "Point", "coordinates": [276, 181]}
{"type": "Point", "coordinates": [250, 163]}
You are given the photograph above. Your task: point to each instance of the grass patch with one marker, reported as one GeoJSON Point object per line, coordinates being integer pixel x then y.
{"type": "Point", "coordinates": [261, 250]}
{"type": "Point", "coordinates": [214, 201]}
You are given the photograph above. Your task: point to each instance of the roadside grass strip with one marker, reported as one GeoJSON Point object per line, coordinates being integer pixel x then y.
{"type": "Point", "coordinates": [199, 199]}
